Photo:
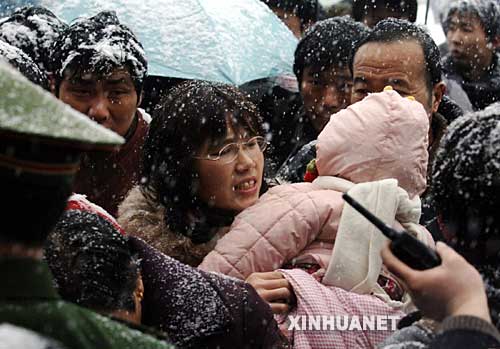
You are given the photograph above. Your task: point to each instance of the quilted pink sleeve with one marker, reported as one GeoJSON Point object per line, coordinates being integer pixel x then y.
{"type": "Point", "coordinates": [273, 231]}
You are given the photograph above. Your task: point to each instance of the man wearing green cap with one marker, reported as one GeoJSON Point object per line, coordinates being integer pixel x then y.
{"type": "Point", "coordinates": [41, 140]}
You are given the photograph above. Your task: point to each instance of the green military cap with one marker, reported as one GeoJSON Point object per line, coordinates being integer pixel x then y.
{"type": "Point", "coordinates": [40, 135]}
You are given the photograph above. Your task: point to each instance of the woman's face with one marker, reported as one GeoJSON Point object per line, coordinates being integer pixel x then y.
{"type": "Point", "coordinates": [232, 186]}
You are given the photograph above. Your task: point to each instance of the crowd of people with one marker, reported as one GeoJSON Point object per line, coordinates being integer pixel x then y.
{"type": "Point", "coordinates": [214, 217]}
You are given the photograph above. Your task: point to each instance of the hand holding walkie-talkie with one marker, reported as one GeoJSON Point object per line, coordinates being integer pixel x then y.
{"type": "Point", "coordinates": [405, 246]}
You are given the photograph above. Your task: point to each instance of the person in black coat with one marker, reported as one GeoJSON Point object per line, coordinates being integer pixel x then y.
{"type": "Point", "coordinates": [325, 81]}
{"type": "Point", "coordinates": [473, 34]}
{"type": "Point", "coordinates": [95, 266]}
{"type": "Point", "coordinates": [198, 309]}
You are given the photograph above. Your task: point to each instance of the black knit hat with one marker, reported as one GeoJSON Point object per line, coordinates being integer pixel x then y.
{"type": "Point", "coordinates": [34, 30]}
{"type": "Point", "coordinates": [91, 262]}
{"type": "Point", "coordinates": [98, 45]}
{"type": "Point", "coordinates": [24, 64]}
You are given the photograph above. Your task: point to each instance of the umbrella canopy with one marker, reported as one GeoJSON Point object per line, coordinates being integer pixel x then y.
{"type": "Point", "coordinates": [9, 6]}
{"type": "Point", "coordinates": [230, 41]}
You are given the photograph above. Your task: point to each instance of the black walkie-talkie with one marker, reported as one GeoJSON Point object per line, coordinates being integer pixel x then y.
{"type": "Point", "coordinates": [404, 246]}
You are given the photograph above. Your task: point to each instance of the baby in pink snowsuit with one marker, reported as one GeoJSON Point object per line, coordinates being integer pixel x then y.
{"type": "Point", "coordinates": [376, 150]}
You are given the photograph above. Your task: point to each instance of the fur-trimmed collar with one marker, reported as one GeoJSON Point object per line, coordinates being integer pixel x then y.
{"type": "Point", "coordinates": [142, 217]}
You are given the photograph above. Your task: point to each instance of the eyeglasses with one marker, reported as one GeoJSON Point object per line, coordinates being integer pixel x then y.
{"type": "Point", "coordinates": [229, 152]}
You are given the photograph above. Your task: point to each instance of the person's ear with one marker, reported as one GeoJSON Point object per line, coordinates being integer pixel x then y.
{"type": "Point", "coordinates": [438, 91]}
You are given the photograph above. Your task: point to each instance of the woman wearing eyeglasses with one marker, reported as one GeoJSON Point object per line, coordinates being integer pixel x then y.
{"type": "Point", "coordinates": [203, 164]}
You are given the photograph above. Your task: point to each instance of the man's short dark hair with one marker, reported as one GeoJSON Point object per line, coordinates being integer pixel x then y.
{"type": "Point", "coordinates": [487, 11]}
{"type": "Point", "coordinates": [394, 30]}
{"type": "Point", "coordinates": [307, 10]}
{"type": "Point", "coordinates": [78, 50]}
{"type": "Point", "coordinates": [407, 8]}
{"type": "Point", "coordinates": [329, 42]}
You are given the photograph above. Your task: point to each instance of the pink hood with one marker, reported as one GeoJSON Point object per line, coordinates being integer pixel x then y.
{"type": "Point", "coordinates": [384, 136]}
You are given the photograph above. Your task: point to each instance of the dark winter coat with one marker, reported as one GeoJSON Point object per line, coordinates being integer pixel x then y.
{"type": "Point", "coordinates": [294, 169]}
{"type": "Point", "coordinates": [429, 211]}
{"type": "Point", "coordinates": [481, 93]}
{"type": "Point", "coordinates": [465, 332]}
{"type": "Point", "coordinates": [107, 178]}
{"type": "Point", "coordinates": [457, 332]}
{"type": "Point", "coordinates": [202, 310]}
{"type": "Point", "coordinates": [28, 299]}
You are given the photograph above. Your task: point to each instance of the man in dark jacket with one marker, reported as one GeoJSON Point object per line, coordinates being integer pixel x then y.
{"type": "Point", "coordinates": [41, 142]}
{"type": "Point", "coordinates": [322, 69]}
{"type": "Point", "coordinates": [473, 34]}
{"type": "Point", "coordinates": [100, 68]}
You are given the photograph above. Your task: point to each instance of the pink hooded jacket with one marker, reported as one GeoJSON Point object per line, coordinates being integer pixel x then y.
{"type": "Point", "coordinates": [383, 136]}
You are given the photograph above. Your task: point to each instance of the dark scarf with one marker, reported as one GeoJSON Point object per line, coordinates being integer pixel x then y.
{"type": "Point", "coordinates": [199, 222]}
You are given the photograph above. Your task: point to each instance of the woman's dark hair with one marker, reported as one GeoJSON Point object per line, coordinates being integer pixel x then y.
{"type": "Point", "coordinates": [92, 263]}
{"type": "Point", "coordinates": [192, 114]}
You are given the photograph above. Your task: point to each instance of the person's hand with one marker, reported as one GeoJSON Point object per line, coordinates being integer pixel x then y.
{"type": "Point", "coordinates": [274, 289]}
{"type": "Point", "coordinates": [453, 288]}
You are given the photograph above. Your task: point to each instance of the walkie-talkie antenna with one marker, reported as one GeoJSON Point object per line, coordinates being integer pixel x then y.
{"type": "Point", "coordinates": [384, 228]}
{"type": "Point", "coordinates": [404, 246]}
